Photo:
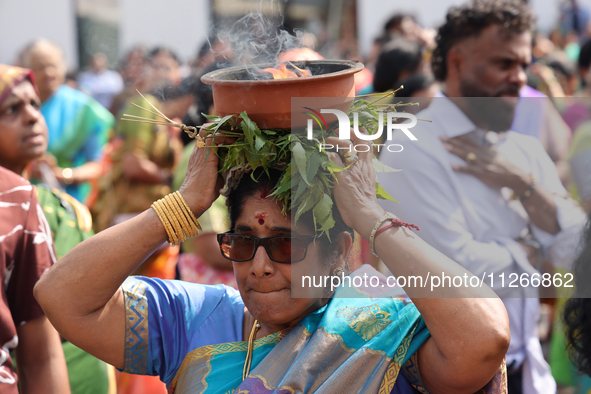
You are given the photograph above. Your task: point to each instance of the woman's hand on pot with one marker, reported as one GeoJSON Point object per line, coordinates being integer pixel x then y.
{"type": "Point", "coordinates": [355, 188]}
{"type": "Point", "coordinates": [203, 182]}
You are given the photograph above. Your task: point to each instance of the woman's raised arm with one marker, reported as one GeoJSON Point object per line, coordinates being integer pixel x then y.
{"type": "Point", "coordinates": [79, 294]}
{"type": "Point", "coordinates": [469, 325]}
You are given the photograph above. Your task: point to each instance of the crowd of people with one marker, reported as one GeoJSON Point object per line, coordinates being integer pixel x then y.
{"type": "Point", "coordinates": [499, 183]}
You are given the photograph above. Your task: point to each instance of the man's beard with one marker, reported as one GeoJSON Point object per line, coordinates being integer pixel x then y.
{"type": "Point", "coordinates": [486, 110]}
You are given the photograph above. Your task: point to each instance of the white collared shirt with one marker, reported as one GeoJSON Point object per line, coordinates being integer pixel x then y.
{"type": "Point", "coordinates": [477, 225]}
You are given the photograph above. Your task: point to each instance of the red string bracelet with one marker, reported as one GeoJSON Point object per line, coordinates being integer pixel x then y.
{"type": "Point", "coordinates": [396, 223]}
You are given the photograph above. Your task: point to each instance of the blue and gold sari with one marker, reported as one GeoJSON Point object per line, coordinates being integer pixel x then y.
{"type": "Point", "coordinates": [191, 336]}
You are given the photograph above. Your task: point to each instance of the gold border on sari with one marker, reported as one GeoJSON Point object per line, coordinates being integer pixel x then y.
{"type": "Point", "coordinates": [205, 354]}
{"type": "Point", "coordinates": [136, 326]}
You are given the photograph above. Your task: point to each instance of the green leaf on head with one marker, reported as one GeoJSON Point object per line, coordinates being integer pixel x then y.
{"type": "Point", "coordinates": [308, 173]}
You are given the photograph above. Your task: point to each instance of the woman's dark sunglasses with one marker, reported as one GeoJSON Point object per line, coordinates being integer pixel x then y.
{"type": "Point", "coordinates": [280, 248]}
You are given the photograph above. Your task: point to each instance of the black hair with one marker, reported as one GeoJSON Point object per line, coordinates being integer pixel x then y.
{"type": "Point", "coordinates": [204, 49]}
{"type": "Point", "coordinates": [413, 84]}
{"type": "Point", "coordinates": [396, 20]}
{"type": "Point", "coordinates": [263, 185]}
{"type": "Point", "coordinates": [470, 19]}
{"type": "Point", "coordinates": [203, 99]}
{"type": "Point", "coordinates": [577, 310]}
{"type": "Point", "coordinates": [585, 55]}
{"type": "Point", "coordinates": [124, 60]}
{"type": "Point", "coordinates": [164, 51]}
{"type": "Point", "coordinates": [397, 56]}
{"type": "Point", "coordinates": [563, 66]}
{"type": "Point", "coordinates": [170, 91]}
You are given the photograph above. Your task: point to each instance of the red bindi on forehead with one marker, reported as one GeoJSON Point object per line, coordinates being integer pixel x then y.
{"type": "Point", "coordinates": [261, 215]}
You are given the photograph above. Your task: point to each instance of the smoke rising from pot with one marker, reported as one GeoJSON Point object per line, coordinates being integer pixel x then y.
{"type": "Point", "coordinates": [257, 38]}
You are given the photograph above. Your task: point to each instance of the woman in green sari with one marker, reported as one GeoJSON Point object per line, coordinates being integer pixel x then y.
{"type": "Point", "coordinates": [23, 139]}
{"type": "Point", "coordinates": [213, 339]}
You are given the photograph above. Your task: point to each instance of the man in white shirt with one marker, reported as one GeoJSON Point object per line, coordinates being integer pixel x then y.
{"type": "Point", "coordinates": [100, 82]}
{"type": "Point", "coordinates": [478, 192]}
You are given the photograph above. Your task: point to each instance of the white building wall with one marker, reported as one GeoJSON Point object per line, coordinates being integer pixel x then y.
{"type": "Point", "coordinates": [22, 21]}
{"type": "Point", "coordinates": [181, 25]}
{"type": "Point", "coordinates": [184, 24]}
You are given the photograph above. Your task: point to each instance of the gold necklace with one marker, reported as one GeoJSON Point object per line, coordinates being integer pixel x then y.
{"type": "Point", "coordinates": [253, 334]}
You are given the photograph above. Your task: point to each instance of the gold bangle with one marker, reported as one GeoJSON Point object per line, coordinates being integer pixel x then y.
{"type": "Point", "coordinates": [187, 212]}
{"type": "Point", "coordinates": [385, 216]}
{"type": "Point", "coordinates": [167, 226]}
{"type": "Point", "coordinates": [172, 211]}
{"type": "Point", "coordinates": [172, 237]}
{"type": "Point", "coordinates": [173, 218]}
{"type": "Point", "coordinates": [188, 230]}
{"type": "Point", "coordinates": [189, 227]}
{"type": "Point", "coordinates": [178, 220]}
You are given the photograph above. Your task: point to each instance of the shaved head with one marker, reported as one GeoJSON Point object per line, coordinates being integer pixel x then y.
{"type": "Point", "coordinates": [37, 46]}
{"type": "Point", "coordinates": [46, 60]}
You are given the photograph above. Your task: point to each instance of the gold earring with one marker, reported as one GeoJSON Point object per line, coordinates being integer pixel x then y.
{"type": "Point", "coordinates": [338, 271]}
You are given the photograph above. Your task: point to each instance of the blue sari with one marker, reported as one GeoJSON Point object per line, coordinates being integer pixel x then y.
{"type": "Point", "coordinates": [78, 129]}
{"type": "Point", "coordinates": [191, 336]}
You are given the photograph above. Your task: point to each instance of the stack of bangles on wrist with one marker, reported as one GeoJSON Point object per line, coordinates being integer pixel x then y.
{"type": "Point", "coordinates": [177, 218]}
{"type": "Point", "coordinates": [394, 222]}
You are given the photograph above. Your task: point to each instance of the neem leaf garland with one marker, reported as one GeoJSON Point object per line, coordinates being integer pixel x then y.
{"type": "Point", "coordinates": [308, 173]}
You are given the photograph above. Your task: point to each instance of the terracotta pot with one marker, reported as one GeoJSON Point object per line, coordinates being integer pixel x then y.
{"type": "Point", "coordinates": [268, 102]}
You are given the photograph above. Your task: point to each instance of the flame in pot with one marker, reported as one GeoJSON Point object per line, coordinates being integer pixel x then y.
{"type": "Point", "coordinates": [282, 72]}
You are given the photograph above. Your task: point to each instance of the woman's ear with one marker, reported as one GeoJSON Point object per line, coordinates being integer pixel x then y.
{"type": "Point", "coordinates": [344, 249]}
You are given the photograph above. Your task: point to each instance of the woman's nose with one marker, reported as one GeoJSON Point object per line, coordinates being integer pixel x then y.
{"type": "Point", "coordinates": [261, 263]}
{"type": "Point", "coordinates": [32, 114]}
